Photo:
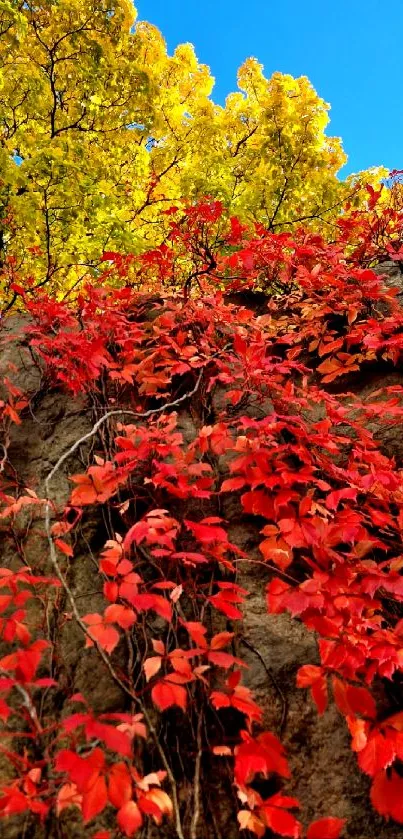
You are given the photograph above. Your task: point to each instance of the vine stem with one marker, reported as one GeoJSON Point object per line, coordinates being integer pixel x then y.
{"type": "Point", "coordinates": [284, 703]}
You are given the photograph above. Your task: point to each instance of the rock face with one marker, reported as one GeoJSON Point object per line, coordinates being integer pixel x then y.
{"type": "Point", "coordinates": [325, 777]}
{"type": "Point", "coordinates": [392, 276]}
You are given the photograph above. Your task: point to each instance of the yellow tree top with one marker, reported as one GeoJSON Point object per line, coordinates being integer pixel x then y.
{"type": "Point", "coordinates": [100, 129]}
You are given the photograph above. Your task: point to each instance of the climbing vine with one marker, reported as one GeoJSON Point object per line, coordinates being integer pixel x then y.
{"type": "Point", "coordinates": [260, 336]}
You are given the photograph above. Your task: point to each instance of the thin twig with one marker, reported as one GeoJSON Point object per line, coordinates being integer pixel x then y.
{"type": "Point", "coordinates": [284, 703]}
{"type": "Point", "coordinates": [196, 782]}
{"type": "Point", "coordinates": [3, 461]}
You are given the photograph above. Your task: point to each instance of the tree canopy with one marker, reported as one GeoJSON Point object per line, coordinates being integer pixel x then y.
{"type": "Point", "coordinates": [101, 129]}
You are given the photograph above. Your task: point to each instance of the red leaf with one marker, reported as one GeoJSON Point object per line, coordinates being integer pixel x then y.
{"type": "Point", "coordinates": [157, 602]}
{"type": "Point", "coordinates": [221, 602]}
{"type": "Point", "coordinates": [73, 721]}
{"type": "Point", "coordinates": [205, 532]}
{"type": "Point", "coordinates": [114, 739]}
{"type": "Point", "coordinates": [64, 547]}
{"type": "Point", "coordinates": [121, 615]}
{"type": "Point", "coordinates": [99, 483]}
{"type": "Point", "coordinates": [82, 771]}
{"type": "Point", "coordinates": [353, 700]}
{"type": "Point", "coordinates": [180, 678]}
{"type": "Point", "coordinates": [387, 795]}
{"type": "Point", "coordinates": [165, 694]}
{"type": "Point", "coordinates": [320, 694]}
{"type": "Point", "coordinates": [329, 828]}
{"type": "Point", "coordinates": [9, 410]}
{"type": "Point", "coordinates": [234, 679]}
{"type": "Point", "coordinates": [264, 754]}
{"type": "Point", "coordinates": [5, 711]}
{"type": "Point", "coordinates": [225, 659]}
{"type": "Point", "coordinates": [129, 818]}
{"type": "Point", "coordinates": [119, 785]}
{"type": "Point", "coordinates": [221, 640]}
{"type": "Point", "coordinates": [334, 498]}
{"type": "Point", "coordinates": [257, 502]}
{"type": "Point", "coordinates": [94, 799]}
{"type": "Point", "coordinates": [180, 663]}
{"type": "Point", "coordinates": [276, 598]}
{"type": "Point", "coordinates": [358, 730]}
{"type": "Point", "coordinates": [312, 676]}
{"type": "Point", "coordinates": [45, 683]}
{"type": "Point", "coordinates": [280, 800]}
{"type": "Point", "coordinates": [109, 256]}
{"type": "Point", "coordinates": [232, 484]}
{"type": "Point", "coordinates": [308, 674]}
{"type": "Point", "coordinates": [281, 821]}
{"type": "Point", "coordinates": [197, 632]}
{"type": "Point", "coordinates": [281, 557]}
{"type": "Point", "coordinates": [377, 754]}
{"type": "Point", "coordinates": [190, 557]}
{"type": "Point", "coordinates": [395, 721]}
{"type": "Point", "coordinates": [220, 700]}
{"type": "Point", "coordinates": [66, 760]}
{"type": "Point", "coordinates": [106, 635]}
{"type": "Point", "coordinates": [111, 591]}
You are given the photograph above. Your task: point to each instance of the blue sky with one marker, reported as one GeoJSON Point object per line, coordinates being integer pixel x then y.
{"type": "Point", "coordinates": [351, 50]}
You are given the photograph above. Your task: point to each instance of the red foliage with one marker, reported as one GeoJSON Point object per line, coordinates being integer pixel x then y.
{"type": "Point", "coordinates": [329, 506]}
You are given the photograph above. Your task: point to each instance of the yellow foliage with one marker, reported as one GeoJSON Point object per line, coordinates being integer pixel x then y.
{"type": "Point", "coordinates": [101, 129]}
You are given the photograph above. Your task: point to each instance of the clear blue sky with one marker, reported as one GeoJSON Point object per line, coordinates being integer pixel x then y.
{"type": "Point", "coordinates": [351, 50]}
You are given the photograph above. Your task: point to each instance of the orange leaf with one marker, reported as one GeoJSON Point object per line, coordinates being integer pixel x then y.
{"type": "Point", "coordinates": [64, 547]}
{"type": "Point", "coordinates": [68, 796]}
{"type": "Point", "coordinates": [248, 821]}
{"type": "Point", "coordinates": [151, 666]}
{"type": "Point", "coordinates": [221, 751]}
{"type": "Point", "coordinates": [282, 557]}
{"type": "Point", "coordinates": [161, 802]}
